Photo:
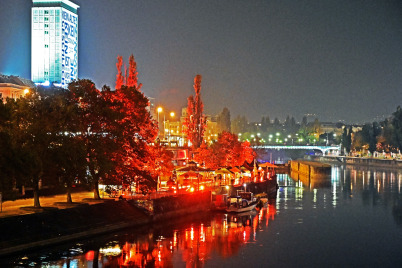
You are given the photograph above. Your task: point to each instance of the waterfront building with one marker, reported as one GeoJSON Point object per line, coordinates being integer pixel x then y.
{"type": "Point", "coordinates": [54, 42]}
{"type": "Point", "coordinates": [14, 87]}
{"type": "Point", "coordinates": [211, 129]}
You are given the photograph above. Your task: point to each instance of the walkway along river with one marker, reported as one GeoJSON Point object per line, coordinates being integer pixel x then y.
{"type": "Point", "coordinates": [354, 220]}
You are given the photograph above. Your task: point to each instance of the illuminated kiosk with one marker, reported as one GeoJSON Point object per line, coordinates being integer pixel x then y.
{"type": "Point", "coordinates": [54, 46]}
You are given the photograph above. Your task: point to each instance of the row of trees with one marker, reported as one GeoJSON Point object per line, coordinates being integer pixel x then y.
{"type": "Point", "coordinates": [240, 124]}
{"type": "Point", "coordinates": [288, 131]}
{"type": "Point", "coordinates": [55, 136]}
{"type": "Point", "coordinates": [384, 136]}
{"type": "Point", "coordinates": [82, 134]}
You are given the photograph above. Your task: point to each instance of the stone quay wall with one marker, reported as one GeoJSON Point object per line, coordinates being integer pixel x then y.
{"type": "Point", "coordinates": [363, 161]}
{"type": "Point", "coordinates": [310, 168]}
{"type": "Point", "coordinates": [55, 226]}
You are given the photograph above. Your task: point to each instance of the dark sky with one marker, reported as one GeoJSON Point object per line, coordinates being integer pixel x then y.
{"type": "Point", "coordinates": [339, 60]}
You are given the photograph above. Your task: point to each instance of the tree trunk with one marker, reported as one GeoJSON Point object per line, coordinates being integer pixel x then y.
{"type": "Point", "coordinates": [36, 196]}
{"type": "Point", "coordinates": [96, 190]}
{"type": "Point", "coordinates": [96, 258]}
{"type": "Point", "coordinates": [69, 199]}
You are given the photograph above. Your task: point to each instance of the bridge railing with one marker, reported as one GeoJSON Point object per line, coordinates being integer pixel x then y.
{"type": "Point", "coordinates": [323, 149]}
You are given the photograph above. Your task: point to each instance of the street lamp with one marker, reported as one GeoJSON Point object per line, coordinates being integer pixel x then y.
{"type": "Point", "coordinates": [159, 110]}
{"type": "Point", "coordinates": [168, 127]}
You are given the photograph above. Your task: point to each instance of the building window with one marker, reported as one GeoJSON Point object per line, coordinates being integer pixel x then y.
{"type": "Point", "coordinates": [46, 25]}
{"type": "Point", "coordinates": [46, 46]}
{"type": "Point", "coordinates": [46, 19]}
{"type": "Point", "coordinates": [46, 12]}
{"type": "Point", "coordinates": [46, 32]}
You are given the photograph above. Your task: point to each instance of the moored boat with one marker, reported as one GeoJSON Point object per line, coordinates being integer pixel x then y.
{"type": "Point", "coordinates": [244, 201]}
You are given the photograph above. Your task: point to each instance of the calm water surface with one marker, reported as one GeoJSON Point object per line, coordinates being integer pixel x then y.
{"type": "Point", "coordinates": [352, 219]}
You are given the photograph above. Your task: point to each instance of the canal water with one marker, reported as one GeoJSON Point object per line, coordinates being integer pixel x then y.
{"type": "Point", "coordinates": [351, 219]}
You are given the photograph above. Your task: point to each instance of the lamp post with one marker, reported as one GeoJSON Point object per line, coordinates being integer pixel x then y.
{"type": "Point", "coordinates": [159, 110]}
{"type": "Point", "coordinates": [172, 114]}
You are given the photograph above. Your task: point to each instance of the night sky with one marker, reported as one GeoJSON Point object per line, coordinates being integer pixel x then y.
{"type": "Point", "coordinates": [339, 60]}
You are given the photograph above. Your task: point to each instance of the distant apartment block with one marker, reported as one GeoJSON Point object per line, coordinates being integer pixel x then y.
{"type": "Point", "coordinates": [54, 42]}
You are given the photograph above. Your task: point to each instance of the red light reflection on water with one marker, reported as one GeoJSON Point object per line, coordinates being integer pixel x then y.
{"type": "Point", "coordinates": [225, 235]}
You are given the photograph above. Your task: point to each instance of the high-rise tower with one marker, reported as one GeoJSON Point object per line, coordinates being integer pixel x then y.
{"type": "Point", "coordinates": [54, 44]}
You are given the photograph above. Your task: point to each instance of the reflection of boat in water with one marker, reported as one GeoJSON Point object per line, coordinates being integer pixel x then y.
{"type": "Point", "coordinates": [241, 219]}
{"type": "Point", "coordinates": [244, 201]}
{"type": "Point", "coordinates": [219, 202]}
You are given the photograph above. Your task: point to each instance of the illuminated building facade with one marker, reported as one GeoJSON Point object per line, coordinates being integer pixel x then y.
{"type": "Point", "coordinates": [54, 42]}
{"type": "Point", "coordinates": [14, 87]}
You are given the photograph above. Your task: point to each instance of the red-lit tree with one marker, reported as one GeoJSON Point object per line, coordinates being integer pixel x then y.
{"type": "Point", "coordinates": [132, 80]}
{"type": "Point", "coordinates": [228, 151]}
{"type": "Point", "coordinates": [130, 75]}
{"type": "Point", "coordinates": [138, 131]}
{"type": "Point", "coordinates": [209, 156]}
{"type": "Point", "coordinates": [161, 164]}
{"type": "Point", "coordinates": [119, 76]}
{"type": "Point", "coordinates": [195, 121]}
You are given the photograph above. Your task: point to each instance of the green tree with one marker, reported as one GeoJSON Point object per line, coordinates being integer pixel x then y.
{"type": "Point", "coordinates": [239, 124]}
{"type": "Point", "coordinates": [397, 124]}
{"type": "Point", "coordinates": [223, 120]}
{"type": "Point", "coordinates": [265, 124]}
{"type": "Point", "coordinates": [304, 122]}
{"type": "Point", "coordinates": [387, 137]}
{"type": "Point", "coordinates": [7, 152]}
{"type": "Point", "coordinates": [349, 139]}
{"type": "Point", "coordinates": [96, 125]}
{"type": "Point", "coordinates": [33, 130]}
{"type": "Point", "coordinates": [344, 142]}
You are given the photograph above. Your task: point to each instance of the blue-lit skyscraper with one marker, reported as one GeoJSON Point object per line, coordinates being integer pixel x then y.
{"type": "Point", "coordinates": [54, 44]}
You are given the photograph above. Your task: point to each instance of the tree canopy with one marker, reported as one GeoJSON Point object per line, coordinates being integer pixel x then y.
{"type": "Point", "coordinates": [228, 151]}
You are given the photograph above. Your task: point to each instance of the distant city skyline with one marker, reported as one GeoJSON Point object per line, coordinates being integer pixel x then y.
{"type": "Point", "coordinates": [340, 60]}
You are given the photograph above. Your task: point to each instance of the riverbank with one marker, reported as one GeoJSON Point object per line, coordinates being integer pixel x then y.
{"type": "Point", "coordinates": [50, 225]}
{"type": "Point", "coordinates": [362, 161]}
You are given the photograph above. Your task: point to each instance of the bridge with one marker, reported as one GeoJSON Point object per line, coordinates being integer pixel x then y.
{"type": "Point", "coordinates": [335, 150]}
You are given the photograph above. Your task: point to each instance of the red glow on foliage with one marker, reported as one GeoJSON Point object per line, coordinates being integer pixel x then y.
{"type": "Point", "coordinates": [89, 256]}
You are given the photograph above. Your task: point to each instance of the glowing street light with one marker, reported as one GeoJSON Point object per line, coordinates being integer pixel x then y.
{"type": "Point", "coordinates": [159, 110]}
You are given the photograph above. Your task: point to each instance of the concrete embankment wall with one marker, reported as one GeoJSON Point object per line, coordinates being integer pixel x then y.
{"type": "Point", "coordinates": [55, 226]}
{"type": "Point", "coordinates": [311, 174]}
{"type": "Point", "coordinates": [363, 161]}
{"type": "Point", "coordinates": [174, 206]}
{"type": "Point", "coordinates": [310, 169]}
